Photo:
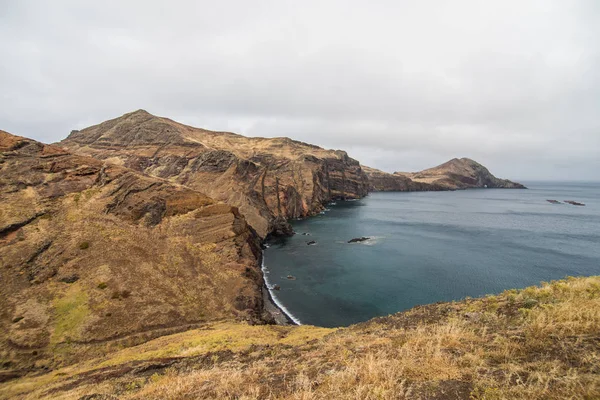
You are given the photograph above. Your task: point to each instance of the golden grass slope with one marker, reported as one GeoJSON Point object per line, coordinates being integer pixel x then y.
{"type": "Point", "coordinates": [536, 343]}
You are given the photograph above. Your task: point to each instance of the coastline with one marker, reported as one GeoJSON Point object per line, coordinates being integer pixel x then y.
{"type": "Point", "coordinates": [272, 305]}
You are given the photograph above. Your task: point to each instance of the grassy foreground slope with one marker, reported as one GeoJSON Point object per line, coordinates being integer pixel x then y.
{"type": "Point", "coordinates": [536, 343]}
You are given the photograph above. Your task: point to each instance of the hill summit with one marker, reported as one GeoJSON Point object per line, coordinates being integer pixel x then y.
{"type": "Point", "coordinates": [270, 180]}
{"type": "Point", "coordinates": [458, 173]}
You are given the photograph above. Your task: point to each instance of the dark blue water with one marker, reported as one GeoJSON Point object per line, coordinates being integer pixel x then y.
{"type": "Point", "coordinates": [433, 246]}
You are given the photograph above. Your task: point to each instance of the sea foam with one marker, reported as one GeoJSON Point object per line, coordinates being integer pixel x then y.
{"type": "Point", "coordinates": [275, 299]}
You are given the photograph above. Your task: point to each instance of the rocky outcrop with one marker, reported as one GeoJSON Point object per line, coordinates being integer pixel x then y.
{"type": "Point", "coordinates": [92, 253]}
{"type": "Point", "coordinates": [380, 181]}
{"type": "Point", "coordinates": [462, 173]}
{"type": "Point", "coordinates": [359, 239]}
{"type": "Point", "coordinates": [270, 180]}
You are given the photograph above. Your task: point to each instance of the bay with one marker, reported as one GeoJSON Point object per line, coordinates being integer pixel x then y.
{"type": "Point", "coordinates": [427, 247]}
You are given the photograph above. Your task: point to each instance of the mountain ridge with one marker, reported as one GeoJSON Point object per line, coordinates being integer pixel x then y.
{"type": "Point", "coordinates": [271, 180]}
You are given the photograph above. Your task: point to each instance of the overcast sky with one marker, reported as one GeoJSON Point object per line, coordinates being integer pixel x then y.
{"type": "Point", "coordinates": [400, 85]}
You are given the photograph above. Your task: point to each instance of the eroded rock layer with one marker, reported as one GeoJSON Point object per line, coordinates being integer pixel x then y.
{"type": "Point", "coordinates": [94, 254]}
{"type": "Point", "coordinates": [270, 180]}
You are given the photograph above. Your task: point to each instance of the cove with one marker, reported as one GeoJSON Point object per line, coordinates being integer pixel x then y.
{"type": "Point", "coordinates": [427, 247]}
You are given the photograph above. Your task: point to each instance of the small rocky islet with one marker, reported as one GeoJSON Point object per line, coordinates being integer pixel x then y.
{"type": "Point", "coordinates": [572, 202]}
{"type": "Point", "coordinates": [359, 239]}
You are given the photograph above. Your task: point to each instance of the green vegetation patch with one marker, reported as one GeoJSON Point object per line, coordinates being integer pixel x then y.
{"type": "Point", "coordinates": [70, 311]}
{"type": "Point", "coordinates": [218, 337]}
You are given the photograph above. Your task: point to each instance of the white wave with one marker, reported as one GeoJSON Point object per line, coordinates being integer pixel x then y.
{"type": "Point", "coordinates": [372, 240]}
{"type": "Point", "coordinates": [275, 299]}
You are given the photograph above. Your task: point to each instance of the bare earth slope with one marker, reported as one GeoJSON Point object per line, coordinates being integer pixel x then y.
{"type": "Point", "coordinates": [269, 180]}
{"type": "Point", "coordinates": [535, 343]}
{"type": "Point", "coordinates": [94, 255]}
{"type": "Point", "coordinates": [460, 173]}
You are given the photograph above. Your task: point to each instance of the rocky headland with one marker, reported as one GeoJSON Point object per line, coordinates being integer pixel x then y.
{"type": "Point", "coordinates": [458, 173]}
{"type": "Point", "coordinates": [270, 180]}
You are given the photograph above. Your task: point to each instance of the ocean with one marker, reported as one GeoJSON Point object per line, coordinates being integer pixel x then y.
{"type": "Point", "coordinates": [427, 247]}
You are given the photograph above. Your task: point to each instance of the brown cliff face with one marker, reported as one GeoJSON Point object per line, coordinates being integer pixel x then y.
{"type": "Point", "coordinates": [462, 173]}
{"type": "Point", "coordinates": [270, 180]}
{"type": "Point", "coordinates": [94, 255]}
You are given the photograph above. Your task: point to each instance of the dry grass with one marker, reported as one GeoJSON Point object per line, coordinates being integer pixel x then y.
{"type": "Point", "coordinates": [537, 343]}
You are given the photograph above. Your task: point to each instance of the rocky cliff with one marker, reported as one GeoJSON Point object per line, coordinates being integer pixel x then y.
{"type": "Point", "coordinates": [95, 256]}
{"type": "Point", "coordinates": [380, 181]}
{"type": "Point", "coordinates": [270, 180]}
{"type": "Point", "coordinates": [462, 173]}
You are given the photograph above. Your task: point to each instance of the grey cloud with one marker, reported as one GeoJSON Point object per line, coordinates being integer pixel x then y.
{"type": "Point", "coordinates": [400, 85]}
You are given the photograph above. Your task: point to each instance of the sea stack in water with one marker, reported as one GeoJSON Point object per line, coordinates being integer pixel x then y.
{"type": "Point", "coordinates": [359, 239]}
{"type": "Point", "coordinates": [574, 203]}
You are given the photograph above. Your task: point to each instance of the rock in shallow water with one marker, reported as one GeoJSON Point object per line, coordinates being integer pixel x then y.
{"type": "Point", "coordinates": [574, 203]}
{"type": "Point", "coordinates": [360, 239]}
